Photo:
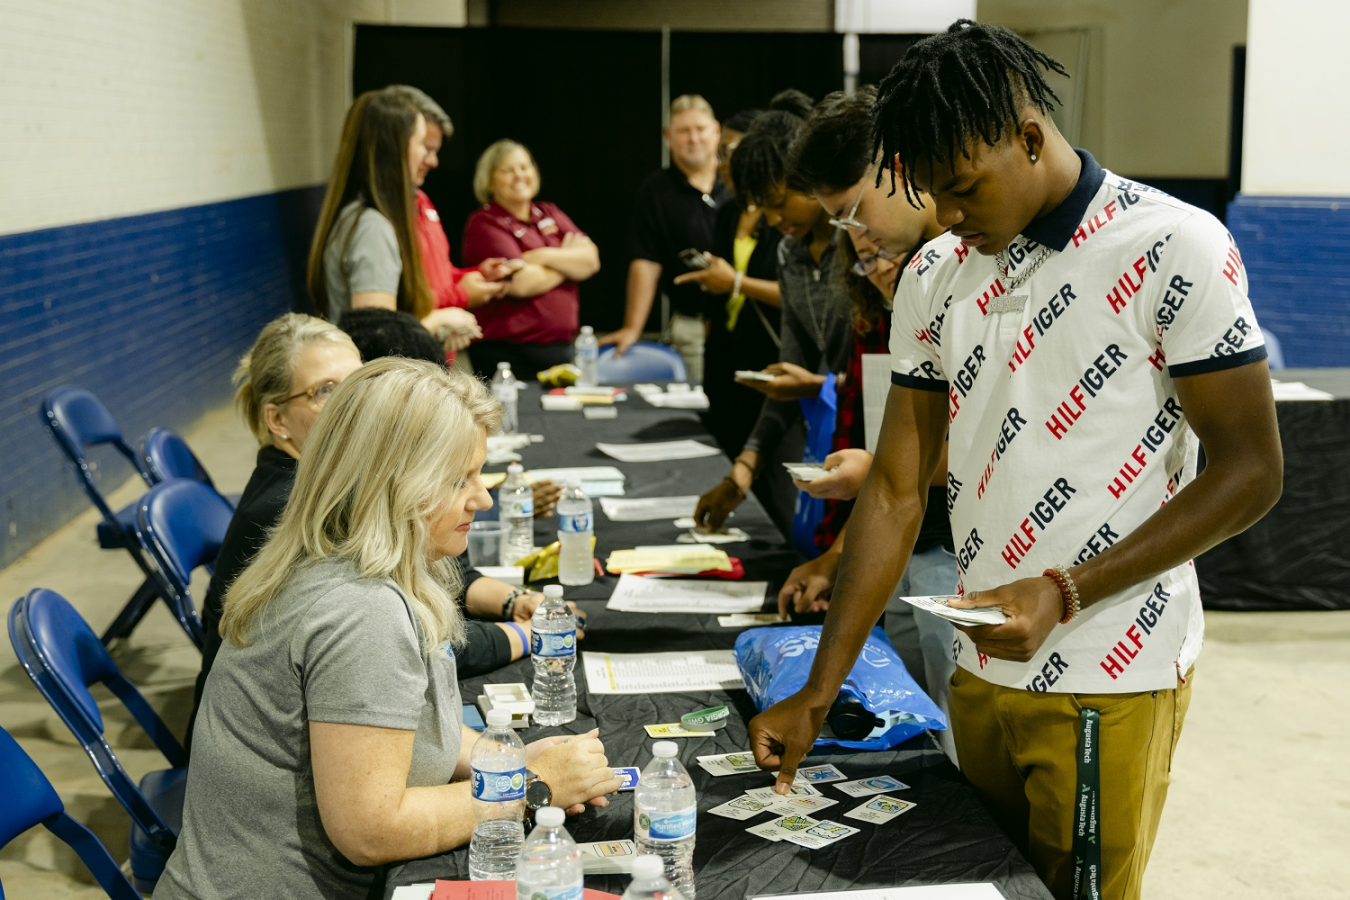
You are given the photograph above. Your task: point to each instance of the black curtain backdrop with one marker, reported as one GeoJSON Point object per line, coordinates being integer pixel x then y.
{"type": "Point", "coordinates": [588, 105]}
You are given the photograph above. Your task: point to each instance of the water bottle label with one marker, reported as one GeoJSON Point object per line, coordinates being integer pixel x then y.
{"type": "Point", "coordinates": [525, 506]}
{"type": "Point", "coordinates": [494, 787]}
{"type": "Point", "coordinates": [672, 826]}
{"type": "Point", "coordinates": [575, 523]}
{"type": "Point", "coordinates": [554, 893]}
{"type": "Point", "coordinates": [559, 644]}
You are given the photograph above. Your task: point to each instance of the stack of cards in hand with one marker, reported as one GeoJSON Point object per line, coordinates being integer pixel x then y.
{"type": "Point", "coordinates": [792, 820]}
{"type": "Point", "coordinates": [985, 615]}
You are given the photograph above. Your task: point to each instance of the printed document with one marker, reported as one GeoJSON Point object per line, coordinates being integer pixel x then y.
{"type": "Point", "coordinates": [661, 673]}
{"type": "Point", "coordinates": [657, 451]}
{"type": "Point", "coordinates": [647, 509]}
{"type": "Point", "coordinates": [669, 595]}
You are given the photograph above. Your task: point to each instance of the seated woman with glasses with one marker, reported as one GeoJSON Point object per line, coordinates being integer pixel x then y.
{"type": "Point", "coordinates": [366, 251]}
{"type": "Point", "coordinates": [282, 383]}
{"type": "Point", "coordinates": [330, 739]}
{"type": "Point", "coordinates": [534, 325]}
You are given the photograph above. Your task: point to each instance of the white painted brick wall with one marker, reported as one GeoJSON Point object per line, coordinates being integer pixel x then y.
{"type": "Point", "coordinates": [110, 108]}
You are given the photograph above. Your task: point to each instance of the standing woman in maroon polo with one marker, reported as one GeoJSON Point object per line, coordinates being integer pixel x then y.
{"type": "Point", "coordinates": [534, 325]}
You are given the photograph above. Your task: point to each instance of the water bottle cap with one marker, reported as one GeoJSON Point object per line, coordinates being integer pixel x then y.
{"type": "Point", "coordinates": [499, 716]}
{"type": "Point", "coordinates": [553, 590]}
{"type": "Point", "coordinates": [647, 867]}
{"type": "Point", "coordinates": [586, 329]}
{"type": "Point", "coordinates": [572, 484]}
{"type": "Point", "coordinates": [515, 469]}
{"type": "Point", "coordinates": [665, 750]}
{"type": "Point", "coordinates": [549, 817]}
{"type": "Point", "coordinates": [503, 365]}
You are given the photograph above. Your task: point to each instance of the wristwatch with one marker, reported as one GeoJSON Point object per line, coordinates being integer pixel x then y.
{"type": "Point", "coordinates": [537, 792]}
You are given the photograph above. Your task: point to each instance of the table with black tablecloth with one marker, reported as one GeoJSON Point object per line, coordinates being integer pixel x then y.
{"type": "Point", "coordinates": [949, 837]}
{"type": "Point", "coordinates": [1298, 556]}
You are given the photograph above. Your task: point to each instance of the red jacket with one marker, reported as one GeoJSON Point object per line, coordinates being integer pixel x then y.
{"type": "Point", "coordinates": [442, 275]}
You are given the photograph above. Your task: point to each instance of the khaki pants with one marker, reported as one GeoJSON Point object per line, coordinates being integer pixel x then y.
{"type": "Point", "coordinates": [1019, 750]}
{"type": "Point", "coordinates": [687, 335]}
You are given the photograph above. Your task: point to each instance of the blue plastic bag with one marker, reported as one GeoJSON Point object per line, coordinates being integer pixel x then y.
{"type": "Point", "coordinates": [776, 661]}
{"type": "Point", "coordinates": [820, 415]}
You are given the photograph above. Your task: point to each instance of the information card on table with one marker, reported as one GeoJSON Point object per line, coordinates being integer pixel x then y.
{"type": "Point", "coordinates": [635, 593]}
{"type": "Point", "coordinates": [661, 673]}
{"type": "Point", "coordinates": [659, 451]}
{"type": "Point", "coordinates": [982, 891]}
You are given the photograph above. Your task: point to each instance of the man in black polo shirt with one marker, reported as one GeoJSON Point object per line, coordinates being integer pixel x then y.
{"type": "Point", "coordinates": [674, 210]}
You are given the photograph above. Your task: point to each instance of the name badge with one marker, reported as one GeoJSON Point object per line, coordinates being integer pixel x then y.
{"type": "Point", "coordinates": [548, 226]}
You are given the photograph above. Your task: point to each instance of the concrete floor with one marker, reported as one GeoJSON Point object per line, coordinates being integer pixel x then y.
{"type": "Point", "coordinates": [1259, 806]}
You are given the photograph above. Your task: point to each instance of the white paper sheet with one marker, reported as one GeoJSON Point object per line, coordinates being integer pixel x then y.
{"type": "Point", "coordinates": [694, 399]}
{"type": "Point", "coordinates": [982, 891]}
{"type": "Point", "coordinates": [647, 509]}
{"type": "Point", "coordinates": [635, 593]}
{"type": "Point", "coordinates": [414, 891]}
{"type": "Point", "coordinates": [1297, 390]}
{"type": "Point", "coordinates": [596, 481]}
{"type": "Point", "coordinates": [876, 387]}
{"type": "Point", "coordinates": [658, 451]}
{"type": "Point", "coordinates": [661, 673]}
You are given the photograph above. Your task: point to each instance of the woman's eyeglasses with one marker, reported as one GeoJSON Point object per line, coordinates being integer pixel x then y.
{"type": "Point", "coordinates": [317, 395]}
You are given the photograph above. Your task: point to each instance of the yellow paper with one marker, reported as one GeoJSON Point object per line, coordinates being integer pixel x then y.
{"type": "Point", "coordinates": [691, 559]}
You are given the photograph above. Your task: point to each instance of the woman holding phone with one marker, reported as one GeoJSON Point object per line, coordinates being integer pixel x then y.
{"type": "Point", "coordinates": [533, 326]}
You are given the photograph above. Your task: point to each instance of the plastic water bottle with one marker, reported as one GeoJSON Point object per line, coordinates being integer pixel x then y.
{"type": "Point", "coordinates": [553, 649]}
{"type": "Point", "coordinates": [576, 560]}
{"type": "Point", "coordinates": [649, 881]}
{"type": "Point", "coordinates": [550, 862]}
{"type": "Point", "coordinates": [504, 388]}
{"type": "Point", "coordinates": [664, 812]}
{"type": "Point", "coordinates": [587, 357]}
{"type": "Point", "coordinates": [498, 773]}
{"type": "Point", "coordinates": [517, 511]}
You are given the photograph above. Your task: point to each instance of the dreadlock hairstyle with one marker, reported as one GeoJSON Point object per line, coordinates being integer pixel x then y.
{"type": "Point", "coordinates": [971, 82]}
{"type": "Point", "coordinates": [832, 151]}
{"type": "Point", "coordinates": [759, 164]}
{"type": "Point", "coordinates": [741, 121]}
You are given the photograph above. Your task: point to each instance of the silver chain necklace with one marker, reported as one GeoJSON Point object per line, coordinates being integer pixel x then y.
{"type": "Point", "coordinates": [1013, 283]}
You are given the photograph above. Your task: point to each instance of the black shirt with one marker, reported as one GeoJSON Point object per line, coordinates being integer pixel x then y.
{"type": "Point", "coordinates": [260, 507]}
{"type": "Point", "coordinates": [670, 215]}
{"type": "Point", "coordinates": [753, 344]}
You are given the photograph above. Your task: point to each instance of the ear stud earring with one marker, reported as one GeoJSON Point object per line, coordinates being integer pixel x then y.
{"type": "Point", "coordinates": [1033, 157]}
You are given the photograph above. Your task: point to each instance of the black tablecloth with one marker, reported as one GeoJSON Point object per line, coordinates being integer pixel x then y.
{"type": "Point", "coordinates": [1298, 556]}
{"type": "Point", "coordinates": [949, 837]}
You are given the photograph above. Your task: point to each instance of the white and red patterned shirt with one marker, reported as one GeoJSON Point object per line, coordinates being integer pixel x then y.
{"type": "Point", "coordinates": [1065, 429]}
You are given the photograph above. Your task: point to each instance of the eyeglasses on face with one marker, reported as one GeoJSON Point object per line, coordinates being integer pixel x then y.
{"type": "Point", "coordinates": [318, 395]}
{"type": "Point", "coordinates": [848, 222]}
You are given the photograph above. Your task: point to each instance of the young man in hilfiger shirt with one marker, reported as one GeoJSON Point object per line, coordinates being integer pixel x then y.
{"type": "Point", "coordinates": [1081, 335]}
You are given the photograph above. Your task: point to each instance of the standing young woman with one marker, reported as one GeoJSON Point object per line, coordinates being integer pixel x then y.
{"type": "Point", "coordinates": [533, 326]}
{"type": "Point", "coordinates": [365, 251]}
{"type": "Point", "coordinates": [331, 737]}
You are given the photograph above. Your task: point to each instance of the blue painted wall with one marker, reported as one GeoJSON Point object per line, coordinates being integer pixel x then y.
{"type": "Point", "coordinates": [1297, 253]}
{"type": "Point", "coordinates": [150, 313]}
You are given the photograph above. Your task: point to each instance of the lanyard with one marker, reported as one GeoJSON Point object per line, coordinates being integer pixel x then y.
{"type": "Point", "coordinates": [1087, 848]}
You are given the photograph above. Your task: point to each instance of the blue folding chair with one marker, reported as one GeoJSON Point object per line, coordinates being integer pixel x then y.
{"type": "Point", "coordinates": [64, 657]}
{"type": "Point", "coordinates": [167, 455]}
{"type": "Point", "coordinates": [644, 361]}
{"type": "Point", "coordinates": [181, 523]}
{"type": "Point", "coordinates": [77, 420]}
{"type": "Point", "coordinates": [30, 800]}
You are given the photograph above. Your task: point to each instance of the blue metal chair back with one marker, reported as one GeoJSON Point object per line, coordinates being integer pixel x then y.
{"type": "Point", "coordinates": [643, 361]}
{"type": "Point", "coordinates": [181, 523]}
{"type": "Point", "coordinates": [30, 800]}
{"type": "Point", "coordinates": [167, 456]}
{"type": "Point", "coordinates": [77, 420]}
{"type": "Point", "coordinates": [64, 658]}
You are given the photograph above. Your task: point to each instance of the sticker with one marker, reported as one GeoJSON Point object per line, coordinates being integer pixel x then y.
{"type": "Point", "coordinates": [495, 787]}
{"type": "Point", "coordinates": [563, 643]}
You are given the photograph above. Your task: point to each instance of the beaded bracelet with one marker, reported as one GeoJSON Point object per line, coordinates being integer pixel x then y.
{"type": "Point", "coordinates": [1068, 591]}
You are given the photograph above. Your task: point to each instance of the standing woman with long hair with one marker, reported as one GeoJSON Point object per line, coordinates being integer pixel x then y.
{"type": "Point", "coordinates": [365, 251]}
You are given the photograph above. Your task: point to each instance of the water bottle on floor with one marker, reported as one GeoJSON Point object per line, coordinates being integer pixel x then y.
{"type": "Point", "coordinates": [664, 812]}
{"type": "Point", "coordinates": [498, 774]}
{"type": "Point", "coordinates": [550, 862]}
{"type": "Point", "coordinates": [553, 649]}
{"type": "Point", "coordinates": [504, 388]}
{"type": "Point", "coordinates": [649, 881]}
{"type": "Point", "coordinates": [517, 511]}
{"type": "Point", "coordinates": [576, 559]}
{"type": "Point", "coordinates": [587, 357]}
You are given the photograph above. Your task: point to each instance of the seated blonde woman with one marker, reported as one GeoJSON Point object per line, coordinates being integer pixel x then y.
{"type": "Point", "coordinates": [330, 738]}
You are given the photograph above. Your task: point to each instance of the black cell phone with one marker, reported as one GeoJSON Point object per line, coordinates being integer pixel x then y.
{"type": "Point", "coordinates": [694, 259]}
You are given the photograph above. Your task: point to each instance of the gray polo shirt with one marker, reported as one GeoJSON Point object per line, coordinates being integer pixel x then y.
{"type": "Point", "coordinates": [361, 255]}
{"type": "Point", "coordinates": [331, 647]}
